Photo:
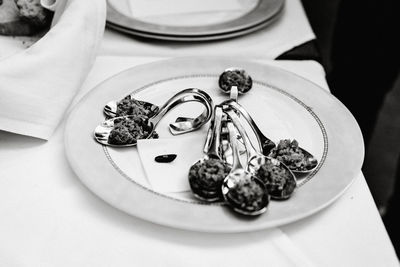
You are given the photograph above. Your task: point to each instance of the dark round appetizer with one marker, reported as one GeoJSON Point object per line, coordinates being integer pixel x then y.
{"type": "Point", "coordinates": [237, 78]}
{"type": "Point", "coordinates": [292, 156]}
{"type": "Point", "coordinates": [278, 179]}
{"type": "Point", "coordinates": [128, 130]}
{"type": "Point", "coordinates": [131, 106]}
{"type": "Point", "coordinates": [248, 196]}
{"type": "Point", "coordinates": [206, 177]}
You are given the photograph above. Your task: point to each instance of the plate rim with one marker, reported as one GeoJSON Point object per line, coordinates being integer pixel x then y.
{"type": "Point", "coordinates": [240, 227]}
{"type": "Point", "coordinates": [199, 38]}
{"type": "Point", "coordinates": [264, 11]}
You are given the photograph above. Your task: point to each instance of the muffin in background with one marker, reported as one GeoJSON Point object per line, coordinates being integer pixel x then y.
{"type": "Point", "coordinates": [33, 12]}
{"type": "Point", "coordinates": [23, 18]}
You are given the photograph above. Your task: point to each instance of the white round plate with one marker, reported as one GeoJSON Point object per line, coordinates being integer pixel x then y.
{"type": "Point", "coordinates": [191, 25]}
{"type": "Point", "coordinates": [283, 104]}
{"type": "Point", "coordinates": [200, 38]}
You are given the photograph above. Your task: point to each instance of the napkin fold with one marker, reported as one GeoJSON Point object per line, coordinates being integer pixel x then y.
{"type": "Point", "coordinates": [38, 84]}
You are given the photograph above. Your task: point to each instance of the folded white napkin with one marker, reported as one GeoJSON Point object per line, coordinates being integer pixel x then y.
{"type": "Point", "coordinates": [38, 84]}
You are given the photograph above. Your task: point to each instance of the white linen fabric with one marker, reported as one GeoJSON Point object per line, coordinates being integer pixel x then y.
{"type": "Point", "coordinates": [290, 30]}
{"type": "Point", "coordinates": [38, 83]}
{"type": "Point", "coordinates": [55, 221]}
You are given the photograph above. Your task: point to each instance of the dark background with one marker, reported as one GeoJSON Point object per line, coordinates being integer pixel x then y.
{"type": "Point", "coordinates": [384, 146]}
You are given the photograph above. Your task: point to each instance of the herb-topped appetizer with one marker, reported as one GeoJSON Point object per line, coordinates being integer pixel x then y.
{"type": "Point", "coordinates": [293, 156]}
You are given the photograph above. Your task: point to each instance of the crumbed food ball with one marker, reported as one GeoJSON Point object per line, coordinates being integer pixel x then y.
{"type": "Point", "coordinates": [248, 195]}
{"type": "Point", "coordinates": [206, 177]}
{"type": "Point", "coordinates": [131, 106]}
{"type": "Point", "coordinates": [237, 78]}
{"type": "Point", "coordinates": [278, 180]}
{"type": "Point", "coordinates": [128, 130]}
{"type": "Point", "coordinates": [32, 11]}
{"type": "Point", "coordinates": [292, 156]}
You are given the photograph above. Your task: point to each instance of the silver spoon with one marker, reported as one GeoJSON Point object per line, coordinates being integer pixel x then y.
{"type": "Point", "coordinates": [267, 145]}
{"type": "Point", "coordinates": [234, 81]}
{"type": "Point", "coordinates": [103, 131]}
{"type": "Point", "coordinates": [207, 174]}
{"type": "Point", "coordinates": [278, 178]}
{"type": "Point", "coordinates": [243, 191]}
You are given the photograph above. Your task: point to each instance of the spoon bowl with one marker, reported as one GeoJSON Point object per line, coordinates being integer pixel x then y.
{"type": "Point", "coordinates": [113, 132]}
{"type": "Point", "coordinates": [207, 174]}
{"type": "Point", "coordinates": [302, 163]}
{"type": "Point", "coordinates": [235, 77]}
{"type": "Point", "coordinates": [243, 191]}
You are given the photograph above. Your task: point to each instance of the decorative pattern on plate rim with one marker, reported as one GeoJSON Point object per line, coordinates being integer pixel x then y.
{"type": "Point", "coordinates": [298, 101]}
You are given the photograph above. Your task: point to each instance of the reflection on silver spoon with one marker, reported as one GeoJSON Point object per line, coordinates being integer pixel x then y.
{"type": "Point", "coordinates": [244, 192]}
{"type": "Point", "coordinates": [266, 144]}
{"type": "Point", "coordinates": [128, 129]}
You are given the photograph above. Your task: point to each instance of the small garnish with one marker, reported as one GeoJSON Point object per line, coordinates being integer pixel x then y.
{"type": "Point", "coordinates": [165, 158]}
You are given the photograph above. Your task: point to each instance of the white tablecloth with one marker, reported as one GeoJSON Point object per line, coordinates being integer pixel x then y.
{"type": "Point", "coordinates": [48, 218]}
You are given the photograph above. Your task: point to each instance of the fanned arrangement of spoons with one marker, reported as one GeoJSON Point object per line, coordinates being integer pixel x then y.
{"type": "Point", "coordinates": [233, 170]}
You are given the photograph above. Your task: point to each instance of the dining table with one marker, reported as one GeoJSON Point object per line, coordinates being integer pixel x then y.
{"type": "Point", "coordinates": [48, 217]}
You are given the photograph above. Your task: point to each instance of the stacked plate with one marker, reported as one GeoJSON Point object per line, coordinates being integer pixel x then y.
{"type": "Point", "coordinates": [191, 20]}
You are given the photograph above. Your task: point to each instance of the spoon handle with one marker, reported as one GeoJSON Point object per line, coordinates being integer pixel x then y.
{"type": "Point", "coordinates": [215, 143]}
{"type": "Point", "coordinates": [209, 136]}
{"type": "Point", "coordinates": [187, 95]}
{"type": "Point", "coordinates": [265, 144]}
{"type": "Point", "coordinates": [233, 141]}
{"type": "Point", "coordinates": [251, 151]}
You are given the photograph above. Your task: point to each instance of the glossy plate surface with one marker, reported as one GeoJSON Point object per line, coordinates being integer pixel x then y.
{"type": "Point", "coordinates": [283, 104]}
{"type": "Point", "coordinates": [261, 14]}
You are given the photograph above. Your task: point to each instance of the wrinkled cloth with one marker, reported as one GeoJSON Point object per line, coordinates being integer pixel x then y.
{"type": "Point", "coordinates": [38, 84]}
